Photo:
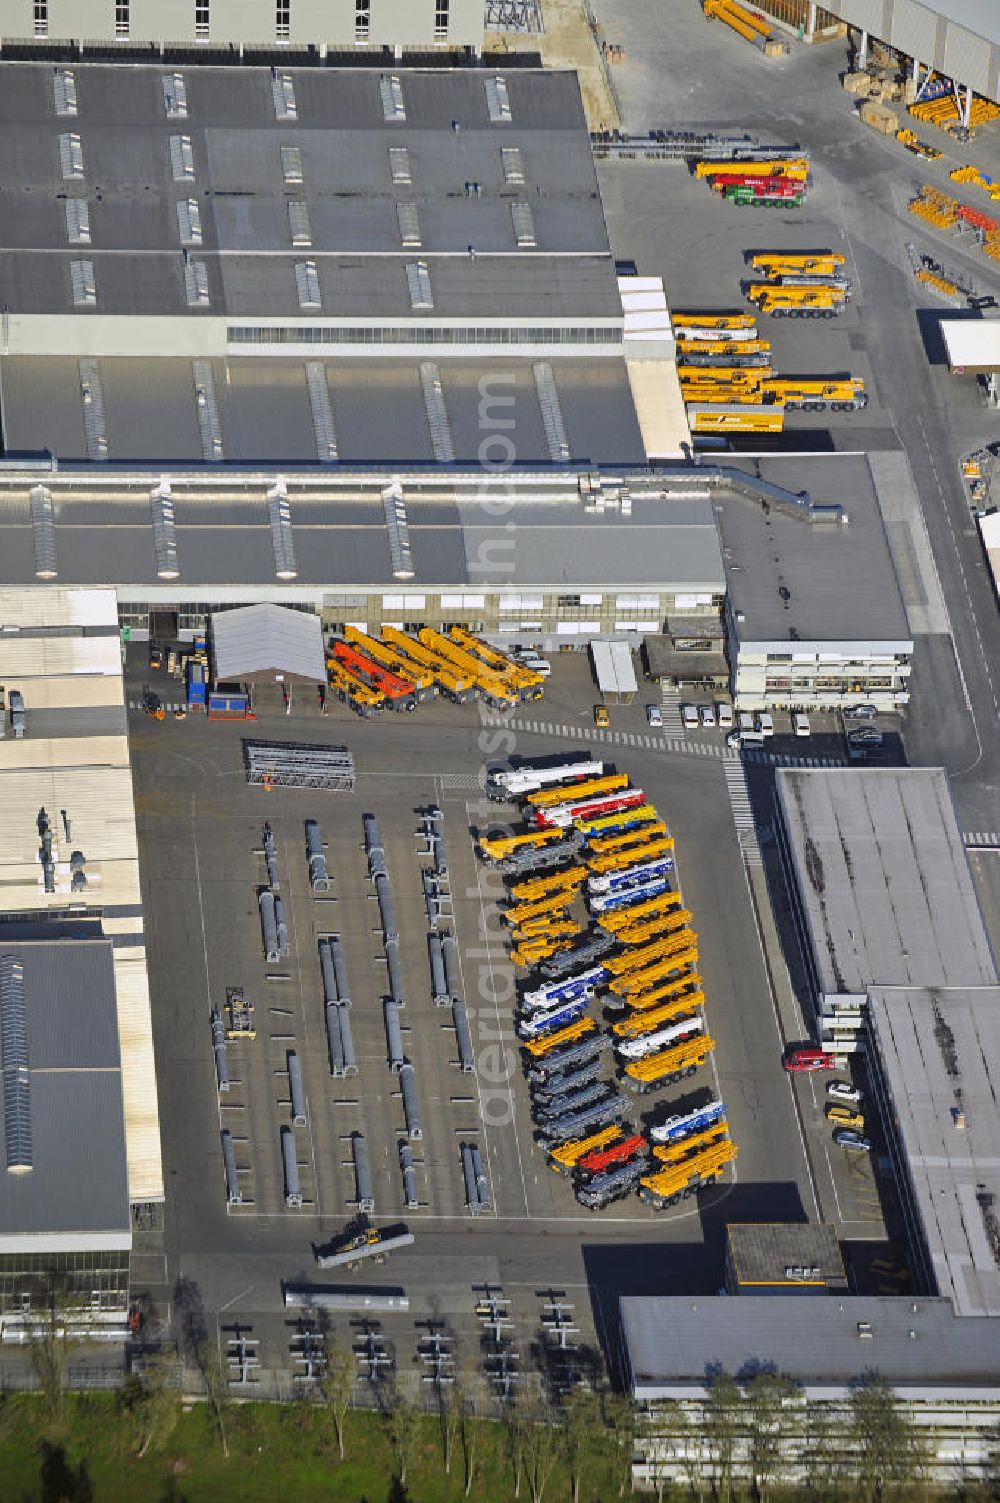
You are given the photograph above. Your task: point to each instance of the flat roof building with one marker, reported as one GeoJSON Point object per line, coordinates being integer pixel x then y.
{"type": "Point", "coordinates": [249, 25]}
{"type": "Point", "coordinates": [880, 886]}
{"type": "Point", "coordinates": [329, 266]}
{"type": "Point", "coordinates": [783, 1258]}
{"type": "Point", "coordinates": [934, 1056]}
{"type": "Point", "coordinates": [814, 611]}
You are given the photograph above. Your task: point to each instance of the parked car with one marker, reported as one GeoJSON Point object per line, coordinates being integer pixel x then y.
{"type": "Point", "coordinates": [734, 741]}
{"type": "Point", "coordinates": [689, 716]}
{"type": "Point", "coordinates": [800, 724]}
{"type": "Point", "coordinates": [861, 712]}
{"type": "Point", "coordinates": [846, 1137]}
{"type": "Point", "coordinates": [844, 1116]}
{"type": "Point", "coordinates": [807, 1058]}
{"type": "Point", "coordinates": [765, 723]}
{"type": "Point", "coordinates": [654, 715]}
{"type": "Point", "coordinates": [865, 735]}
{"type": "Point", "coordinates": [155, 655]}
{"type": "Point", "coordinates": [707, 713]}
{"type": "Point", "coordinates": [725, 717]}
{"type": "Point", "coordinates": [601, 717]}
{"type": "Point", "coordinates": [842, 1090]}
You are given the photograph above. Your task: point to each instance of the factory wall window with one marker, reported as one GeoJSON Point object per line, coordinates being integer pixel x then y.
{"type": "Point", "coordinates": [40, 12]}
{"type": "Point", "coordinates": [202, 20]}
{"type": "Point", "coordinates": [419, 335]}
{"type": "Point", "coordinates": [441, 18]}
{"type": "Point", "coordinates": [283, 20]}
{"type": "Point", "coordinates": [122, 20]}
{"type": "Point", "coordinates": [362, 20]}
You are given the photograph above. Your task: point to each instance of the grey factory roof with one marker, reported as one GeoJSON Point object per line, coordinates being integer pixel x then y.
{"type": "Point", "coordinates": [673, 1343]}
{"type": "Point", "coordinates": [265, 416]}
{"type": "Point", "coordinates": [77, 1187]}
{"type": "Point", "coordinates": [840, 581]}
{"type": "Point", "coordinates": [265, 641]}
{"type": "Point", "coordinates": [223, 537]}
{"type": "Point", "coordinates": [882, 878]}
{"type": "Point", "coordinates": [797, 1255]}
{"type": "Point", "coordinates": [459, 184]}
{"type": "Point", "coordinates": [939, 1051]}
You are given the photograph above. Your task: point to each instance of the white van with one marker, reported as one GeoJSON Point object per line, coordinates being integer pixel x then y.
{"type": "Point", "coordinates": [749, 734]}
{"type": "Point", "coordinates": [535, 663]}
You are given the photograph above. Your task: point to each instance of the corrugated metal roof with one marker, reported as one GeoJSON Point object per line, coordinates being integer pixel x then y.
{"type": "Point", "coordinates": [271, 640]}
{"type": "Point", "coordinates": [78, 1180]}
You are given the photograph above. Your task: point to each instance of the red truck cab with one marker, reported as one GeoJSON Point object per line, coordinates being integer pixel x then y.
{"type": "Point", "coordinates": [798, 1060]}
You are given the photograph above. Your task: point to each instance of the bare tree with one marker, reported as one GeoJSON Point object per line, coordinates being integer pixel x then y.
{"type": "Point", "coordinates": [152, 1404]}
{"type": "Point", "coordinates": [542, 1446]}
{"type": "Point", "coordinates": [403, 1427]}
{"type": "Point", "coordinates": [723, 1430]}
{"type": "Point", "coordinates": [472, 1434]}
{"type": "Point", "coordinates": [215, 1379]}
{"type": "Point", "coordinates": [823, 1452]}
{"type": "Point", "coordinates": [337, 1388]}
{"type": "Point", "coordinates": [580, 1421]}
{"type": "Point", "coordinates": [890, 1459]}
{"type": "Point", "coordinates": [619, 1419]}
{"type": "Point", "coordinates": [769, 1398]}
{"type": "Point", "coordinates": [52, 1343]}
{"type": "Point", "coordinates": [516, 1422]}
{"type": "Point", "coordinates": [451, 1410]}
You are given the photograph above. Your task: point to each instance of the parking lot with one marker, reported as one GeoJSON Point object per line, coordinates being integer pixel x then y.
{"type": "Point", "coordinates": [201, 831]}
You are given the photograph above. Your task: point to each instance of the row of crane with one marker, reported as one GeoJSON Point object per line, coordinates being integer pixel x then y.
{"type": "Point", "coordinates": [400, 670]}
{"type": "Point", "coordinates": [602, 915]}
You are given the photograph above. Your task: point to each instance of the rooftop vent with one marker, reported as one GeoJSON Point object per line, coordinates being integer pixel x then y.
{"type": "Point", "coordinates": [307, 282]}
{"type": "Point", "coordinates": [175, 96]}
{"type": "Point", "coordinates": [182, 159]}
{"type": "Point", "coordinates": [391, 91]}
{"type": "Point", "coordinates": [291, 166]}
{"type": "Point", "coordinates": [196, 282]}
{"type": "Point", "coordinates": [64, 91]}
{"type": "Point", "coordinates": [283, 89]}
{"type": "Point", "coordinates": [208, 412]}
{"type": "Point", "coordinates": [282, 543]}
{"type": "Point", "coordinates": [189, 221]}
{"type": "Point", "coordinates": [77, 221]}
{"type": "Point", "coordinates": [512, 164]}
{"type": "Point", "coordinates": [83, 283]}
{"type": "Point", "coordinates": [865, 1332]}
{"type": "Point", "coordinates": [399, 164]}
{"type": "Point", "coordinates": [322, 412]}
{"type": "Point", "coordinates": [497, 99]}
{"type": "Point", "coordinates": [409, 224]}
{"type": "Point", "coordinates": [164, 536]}
{"type": "Point", "coordinates": [93, 410]}
{"type": "Point", "coordinates": [524, 225]}
{"type": "Point", "coordinates": [71, 155]}
{"type": "Point", "coordinates": [399, 536]}
{"type": "Point", "coordinates": [418, 281]}
{"type": "Point", "coordinates": [437, 413]}
{"type": "Point", "coordinates": [43, 534]}
{"type": "Point", "coordinates": [299, 223]}
{"type": "Point", "coordinates": [14, 1057]}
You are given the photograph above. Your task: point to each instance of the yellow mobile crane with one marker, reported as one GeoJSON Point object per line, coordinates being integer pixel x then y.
{"type": "Point", "coordinates": [610, 844]}
{"type": "Point", "coordinates": [491, 686]}
{"type": "Point", "coordinates": [540, 1047]}
{"type": "Point", "coordinates": [636, 1024]}
{"type": "Point", "coordinates": [648, 850]}
{"type": "Point", "coordinates": [729, 349]}
{"type": "Point", "coordinates": [676, 1063]}
{"type": "Point", "coordinates": [497, 848]}
{"type": "Point", "coordinates": [713, 321]}
{"type": "Point", "coordinates": [636, 960]}
{"type": "Point", "coordinates": [456, 685]}
{"type": "Point", "coordinates": [821, 263]}
{"type": "Point", "coordinates": [546, 798]}
{"type": "Point", "coordinates": [679, 1153]}
{"type": "Point", "coordinates": [793, 167]}
{"type": "Point", "coordinates": [814, 393]}
{"type": "Point", "coordinates": [636, 982]}
{"type": "Point", "coordinates": [684, 987]}
{"type": "Point", "coordinates": [538, 888]}
{"type": "Point", "coordinates": [647, 929]}
{"type": "Point", "coordinates": [524, 681]}
{"type": "Point", "coordinates": [733, 375]}
{"type": "Point", "coordinates": [623, 918]}
{"type": "Point", "coordinates": [565, 1158]}
{"type": "Point", "coordinates": [524, 912]}
{"type": "Point", "coordinates": [798, 302]}
{"type": "Point", "coordinates": [669, 1186]}
{"type": "Point", "coordinates": [354, 691]}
